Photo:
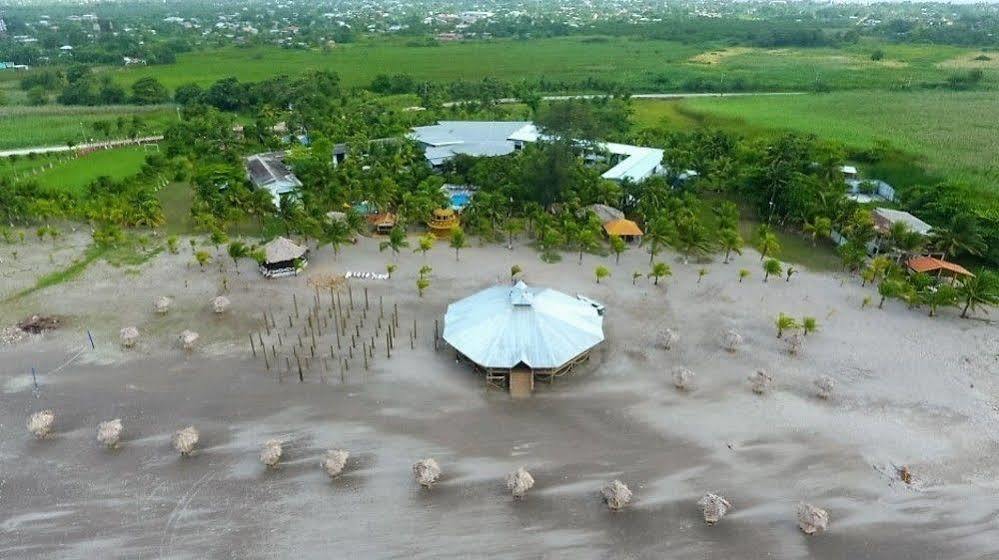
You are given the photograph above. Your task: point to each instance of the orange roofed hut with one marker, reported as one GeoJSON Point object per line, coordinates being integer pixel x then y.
{"type": "Point", "coordinates": [938, 267]}
{"type": "Point", "coordinates": [625, 229]}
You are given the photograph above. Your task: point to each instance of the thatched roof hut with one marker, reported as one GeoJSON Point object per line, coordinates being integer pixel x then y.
{"type": "Point", "coordinates": [282, 257]}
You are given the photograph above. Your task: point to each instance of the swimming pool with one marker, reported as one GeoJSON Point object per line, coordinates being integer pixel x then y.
{"type": "Point", "coordinates": [460, 199]}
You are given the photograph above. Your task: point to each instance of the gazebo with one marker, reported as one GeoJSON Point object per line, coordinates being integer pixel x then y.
{"type": "Point", "coordinates": [443, 221]}
{"type": "Point", "coordinates": [515, 334]}
{"type": "Point", "coordinates": [282, 257]}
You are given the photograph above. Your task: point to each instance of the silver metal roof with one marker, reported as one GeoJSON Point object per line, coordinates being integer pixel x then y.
{"type": "Point", "coordinates": [504, 326]}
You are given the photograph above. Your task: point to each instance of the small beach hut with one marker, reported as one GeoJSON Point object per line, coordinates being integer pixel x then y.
{"type": "Point", "coordinates": [382, 222]}
{"type": "Point", "coordinates": [938, 267]}
{"type": "Point", "coordinates": [625, 229]}
{"type": "Point", "coordinates": [282, 257]}
{"type": "Point", "coordinates": [515, 334]}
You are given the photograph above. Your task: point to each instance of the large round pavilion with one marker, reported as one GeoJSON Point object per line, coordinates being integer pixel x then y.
{"type": "Point", "coordinates": [538, 331]}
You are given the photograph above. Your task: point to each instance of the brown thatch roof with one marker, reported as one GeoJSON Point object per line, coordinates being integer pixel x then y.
{"type": "Point", "coordinates": [281, 249]}
{"type": "Point", "coordinates": [605, 213]}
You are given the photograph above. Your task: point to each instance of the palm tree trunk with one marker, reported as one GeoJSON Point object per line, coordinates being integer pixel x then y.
{"type": "Point", "coordinates": [964, 312]}
{"type": "Point", "coordinates": [881, 303]}
{"type": "Point", "coordinates": [617, 259]}
{"type": "Point", "coordinates": [727, 253]}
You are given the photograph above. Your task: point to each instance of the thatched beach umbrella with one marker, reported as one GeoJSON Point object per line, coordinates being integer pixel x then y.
{"type": "Point", "coordinates": [731, 340]}
{"type": "Point", "coordinates": [162, 304]}
{"type": "Point", "coordinates": [519, 482]}
{"type": "Point", "coordinates": [616, 495]}
{"type": "Point", "coordinates": [760, 381]}
{"type": "Point", "coordinates": [825, 385]}
{"type": "Point", "coordinates": [129, 336]}
{"type": "Point", "coordinates": [334, 461]}
{"type": "Point", "coordinates": [220, 304]}
{"type": "Point", "coordinates": [187, 339]}
{"type": "Point", "coordinates": [812, 519]}
{"type": "Point", "coordinates": [426, 471]}
{"type": "Point", "coordinates": [271, 453]}
{"type": "Point", "coordinates": [683, 378]}
{"type": "Point", "coordinates": [668, 338]}
{"type": "Point", "coordinates": [186, 440]}
{"type": "Point", "coordinates": [109, 433]}
{"type": "Point", "coordinates": [714, 507]}
{"type": "Point", "coordinates": [40, 423]}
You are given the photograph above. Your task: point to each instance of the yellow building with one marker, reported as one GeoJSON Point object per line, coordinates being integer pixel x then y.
{"type": "Point", "coordinates": [443, 222]}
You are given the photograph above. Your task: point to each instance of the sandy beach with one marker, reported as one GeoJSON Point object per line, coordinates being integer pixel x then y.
{"type": "Point", "coordinates": [910, 390]}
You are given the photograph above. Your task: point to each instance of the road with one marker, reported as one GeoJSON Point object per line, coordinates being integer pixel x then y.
{"type": "Point", "coordinates": [85, 146]}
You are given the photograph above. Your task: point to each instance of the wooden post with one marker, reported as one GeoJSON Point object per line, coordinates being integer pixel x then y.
{"type": "Point", "coordinates": [267, 324]}
{"type": "Point", "coordinates": [294, 300]}
{"type": "Point", "coordinates": [290, 324]}
{"type": "Point", "coordinates": [388, 347]}
{"type": "Point", "coordinates": [365, 350]}
{"type": "Point", "coordinates": [435, 335]}
{"type": "Point", "coordinates": [266, 361]}
{"type": "Point", "coordinates": [365, 298]}
{"type": "Point", "coordinates": [260, 339]}
{"type": "Point", "coordinates": [412, 341]}
{"type": "Point", "coordinates": [298, 361]}
{"type": "Point", "coordinates": [414, 328]}
{"type": "Point", "coordinates": [253, 346]}
{"type": "Point", "coordinates": [395, 313]}
{"type": "Point", "coordinates": [381, 308]}
{"type": "Point", "coordinates": [350, 353]}
{"type": "Point", "coordinates": [273, 353]}
{"type": "Point", "coordinates": [350, 296]}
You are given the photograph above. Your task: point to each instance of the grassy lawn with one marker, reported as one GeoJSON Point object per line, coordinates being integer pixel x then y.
{"type": "Point", "coordinates": [643, 65]}
{"type": "Point", "coordinates": [75, 174]}
{"type": "Point", "coordinates": [951, 135]}
{"type": "Point", "coordinates": [25, 127]}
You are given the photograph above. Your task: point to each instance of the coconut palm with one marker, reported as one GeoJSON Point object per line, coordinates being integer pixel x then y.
{"type": "Point", "coordinates": [202, 258]}
{"type": "Point", "coordinates": [422, 283]}
{"type": "Point", "coordinates": [425, 243]}
{"type": "Point", "coordinates": [743, 274]}
{"type": "Point", "coordinates": [389, 269]}
{"type": "Point", "coordinates": [785, 323]}
{"type": "Point", "coordinates": [939, 296]}
{"type": "Point", "coordinates": [618, 246]}
{"type": "Point", "coordinates": [660, 270]}
{"type": "Point", "coordinates": [660, 233]}
{"type": "Point", "coordinates": [586, 240]}
{"type": "Point", "coordinates": [979, 291]}
{"type": "Point", "coordinates": [396, 241]}
{"type": "Point", "coordinates": [458, 241]}
{"type": "Point", "coordinates": [335, 233]}
{"type": "Point", "coordinates": [767, 244]}
{"type": "Point", "coordinates": [819, 226]}
{"type": "Point", "coordinates": [635, 276]}
{"type": "Point", "coordinates": [960, 235]}
{"type": "Point", "coordinates": [601, 272]}
{"type": "Point", "coordinates": [731, 242]}
{"type": "Point", "coordinates": [887, 289]}
{"type": "Point", "coordinates": [701, 273]}
{"type": "Point", "coordinates": [771, 267]}
{"type": "Point", "coordinates": [809, 325]}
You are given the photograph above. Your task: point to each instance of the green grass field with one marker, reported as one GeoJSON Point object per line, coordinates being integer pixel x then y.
{"type": "Point", "coordinates": [642, 65]}
{"type": "Point", "coordinates": [949, 135]}
{"type": "Point", "coordinates": [73, 175]}
{"type": "Point", "coordinates": [25, 127]}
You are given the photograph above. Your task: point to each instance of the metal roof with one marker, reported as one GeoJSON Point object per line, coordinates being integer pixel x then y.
{"type": "Point", "coordinates": [503, 326]}
{"type": "Point", "coordinates": [893, 216]}
{"type": "Point", "coordinates": [268, 171]}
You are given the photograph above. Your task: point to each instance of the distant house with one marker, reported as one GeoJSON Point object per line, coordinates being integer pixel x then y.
{"type": "Point", "coordinates": [849, 172]}
{"type": "Point", "coordinates": [938, 267]}
{"type": "Point", "coordinates": [885, 218]}
{"type": "Point", "coordinates": [268, 171]}
{"type": "Point", "coordinates": [869, 190]}
{"type": "Point", "coordinates": [446, 139]}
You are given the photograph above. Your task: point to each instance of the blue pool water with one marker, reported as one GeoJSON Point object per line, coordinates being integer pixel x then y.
{"type": "Point", "coordinates": [460, 200]}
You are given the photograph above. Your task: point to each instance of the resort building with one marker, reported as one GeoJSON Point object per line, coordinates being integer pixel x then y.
{"type": "Point", "coordinates": [443, 221]}
{"type": "Point", "coordinates": [938, 267]}
{"type": "Point", "coordinates": [514, 334]}
{"type": "Point", "coordinates": [268, 171]}
{"type": "Point", "coordinates": [446, 139]}
{"type": "Point", "coordinates": [282, 257]}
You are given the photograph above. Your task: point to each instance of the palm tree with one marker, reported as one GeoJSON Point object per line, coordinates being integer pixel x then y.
{"type": "Point", "coordinates": [659, 234]}
{"type": "Point", "coordinates": [426, 243]}
{"type": "Point", "coordinates": [692, 238]}
{"type": "Point", "coordinates": [701, 274]}
{"type": "Point", "coordinates": [887, 289]}
{"type": "Point", "coordinates": [961, 235]}
{"type": "Point", "coordinates": [730, 241]}
{"type": "Point", "coordinates": [203, 258]}
{"type": "Point", "coordinates": [940, 295]}
{"type": "Point", "coordinates": [809, 325]}
{"type": "Point", "coordinates": [396, 241]}
{"type": "Point", "coordinates": [335, 233]}
{"type": "Point", "coordinates": [238, 250]}
{"type": "Point", "coordinates": [660, 270]}
{"type": "Point", "coordinates": [390, 268]}
{"type": "Point", "coordinates": [784, 323]}
{"type": "Point", "coordinates": [767, 243]}
{"type": "Point", "coordinates": [743, 274]}
{"type": "Point", "coordinates": [601, 272]}
{"type": "Point", "coordinates": [422, 283]}
{"type": "Point", "coordinates": [458, 241]}
{"type": "Point", "coordinates": [771, 268]}
{"type": "Point", "coordinates": [618, 246]}
{"type": "Point", "coordinates": [635, 276]}
{"type": "Point", "coordinates": [586, 240]}
{"type": "Point", "coordinates": [820, 226]}
{"type": "Point", "coordinates": [981, 290]}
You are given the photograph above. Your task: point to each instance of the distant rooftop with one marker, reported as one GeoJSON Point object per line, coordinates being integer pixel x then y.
{"type": "Point", "coordinates": [268, 171]}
